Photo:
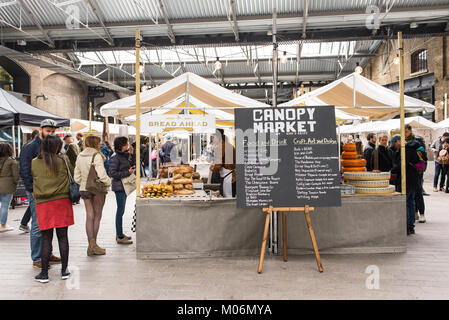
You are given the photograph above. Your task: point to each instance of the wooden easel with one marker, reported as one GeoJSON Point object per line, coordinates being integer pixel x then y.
{"type": "Point", "coordinates": [306, 210]}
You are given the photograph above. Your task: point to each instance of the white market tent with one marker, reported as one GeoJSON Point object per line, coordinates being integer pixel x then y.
{"type": "Point", "coordinates": [417, 122]}
{"type": "Point", "coordinates": [444, 124]}
{"type": "Point", "coordinates": [360, 96]}
{"type": "Point", "coordinates": [200, 95]}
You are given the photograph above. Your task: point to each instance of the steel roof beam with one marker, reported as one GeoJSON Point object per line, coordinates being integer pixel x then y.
{"type": "Point", "coordinates": [170, 32]}
{"type": "Point", "coordinates": [31, 15]}
{"type": "Point", "coordinates": [97, 12]}
{"type": "Point", "coordinates": [235, 27]}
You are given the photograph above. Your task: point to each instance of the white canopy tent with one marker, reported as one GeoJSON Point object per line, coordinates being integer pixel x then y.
{"type": "Point", "coordinates": [187, 89]}
{"type": "Point", "coordinates": [358, 95]}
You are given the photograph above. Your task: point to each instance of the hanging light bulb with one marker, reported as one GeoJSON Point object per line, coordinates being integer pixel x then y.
{"type": "Point", "coordinates": [358, 68]}
{"type": "Point", "coordinates": [396, 59]}
{"type": "Point", "coordinates": [284, 57]}
{"type": "Point", "coordinates": [217, 64]}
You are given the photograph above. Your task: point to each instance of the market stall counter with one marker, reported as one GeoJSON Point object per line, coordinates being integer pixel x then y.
{"type": "Point", "coordinates": [200, 226]}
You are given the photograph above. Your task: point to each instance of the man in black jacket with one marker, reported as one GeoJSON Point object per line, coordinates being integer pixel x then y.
{"type": "Point", "coordinates": [412, 178]}
{"type": "Point", "coordinates": [369, 151]}
{"type": "Point", "coordinates": [29, 152]}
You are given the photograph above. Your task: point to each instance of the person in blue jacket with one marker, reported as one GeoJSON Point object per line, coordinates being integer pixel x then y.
{"type": "Point", "coordinates": [29, 152]}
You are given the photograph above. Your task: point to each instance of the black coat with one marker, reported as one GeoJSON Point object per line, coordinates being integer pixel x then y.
{"type": "Point", "coordinates": [119, 166]}
{"type": "Point", "coordinates": [411, 158]}
{"type": "Point", "coordinates": [166, 150]}
{"type": "Point", "coordinates": [368, 156]}
{"type": "Point", "coordinates": [29, 152]}
{"type": "Point", "coordinates": [385, 159]}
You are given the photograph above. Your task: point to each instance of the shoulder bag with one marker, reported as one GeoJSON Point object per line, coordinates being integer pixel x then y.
{"type": "Point", "coordinates": [74, 188]}
{"type": "Point", "coordinates": [129, 184]}
{"type": "Point", "coordinates": [93, 183]}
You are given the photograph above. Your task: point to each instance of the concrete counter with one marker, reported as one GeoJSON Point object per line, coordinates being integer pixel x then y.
{"type": "Point", "coordinates": [171, 228]}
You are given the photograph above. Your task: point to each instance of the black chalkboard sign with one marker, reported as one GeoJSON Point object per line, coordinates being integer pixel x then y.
{"type": "Point", "coordinates": [287, 157]}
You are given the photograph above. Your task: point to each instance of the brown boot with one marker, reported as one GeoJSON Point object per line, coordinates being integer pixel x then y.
{"type": "Point", "coordinates": [90, 249]}
{"type": "Point", "coordinates": [98, 248]}
{"type": "Point", "coordinates": [95, 249]}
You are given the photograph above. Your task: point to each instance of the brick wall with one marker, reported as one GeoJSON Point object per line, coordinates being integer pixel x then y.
{"type": "Point", "coordinates": [437, 62]}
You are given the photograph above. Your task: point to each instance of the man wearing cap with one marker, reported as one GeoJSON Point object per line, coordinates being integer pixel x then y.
{"type": "Point", "coordinates": [71, 149]}
{"type": "Point", "coordinates": [166, 150]}
{"type": "Point", "coordinates": [29, 152]}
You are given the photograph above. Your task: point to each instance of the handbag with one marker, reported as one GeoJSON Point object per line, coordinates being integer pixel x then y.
{"type": "Point", "coordinates": [74, 188]}
{"type": "Point", "coordinates": [93, 183]}
{"type": "Point", "coordinates": [129, 184]}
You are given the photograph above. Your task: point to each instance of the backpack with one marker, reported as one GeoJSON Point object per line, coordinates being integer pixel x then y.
{"type": "Point", "coordinates": [443, 157]}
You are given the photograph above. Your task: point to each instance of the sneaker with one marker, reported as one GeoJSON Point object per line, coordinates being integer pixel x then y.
{"type": "Point", "coordinates": [425, 194]}
{"type": "Point", "coordinates": [25, 229]}
{"type": "Point", "coordinates": [42, 278]}
{"type": "Point", "coordinates": [441, 189]}
{"type": "Point", "coordinates": [38, 265]}
{"type": "Point", "coordinates": [65, 274]}
{"type": "Point", "coordinates": [416, 216]}
{"type": "Point", "coordinates": [412, 231]}
{"type": "Point", "coordinates": [55, 260]}
{"type": "Point", "coordinates": [123, 241]}
{"type": "Point", "coordinates": [6, 229]}
{"type": "Point", "coordinates": [127, 237]}
{"type": "Point", "coordinates": [435, 190]}
{"type": "Point", "coordinates": [422, 218]}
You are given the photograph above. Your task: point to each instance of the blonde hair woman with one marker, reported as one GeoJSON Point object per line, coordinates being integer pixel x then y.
{"type": "Point", "coordinates": [94, 202]}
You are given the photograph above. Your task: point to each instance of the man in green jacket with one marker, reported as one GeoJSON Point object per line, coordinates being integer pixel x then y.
{"type": "Point", "coordinates": [71, 148]}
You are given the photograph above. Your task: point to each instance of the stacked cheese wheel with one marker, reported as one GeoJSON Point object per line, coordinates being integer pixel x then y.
{"type": "Point", "coordinates": [351, 161]}
{"type": "Point", "coordinates": [370, 182]}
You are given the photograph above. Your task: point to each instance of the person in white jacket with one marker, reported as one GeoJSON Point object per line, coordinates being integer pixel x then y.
{"type": "Point", "coordinates": [94, 202]}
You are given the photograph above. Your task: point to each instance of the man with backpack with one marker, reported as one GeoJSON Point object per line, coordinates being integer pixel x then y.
{"type": "Point", "coordinates": [418, 144]}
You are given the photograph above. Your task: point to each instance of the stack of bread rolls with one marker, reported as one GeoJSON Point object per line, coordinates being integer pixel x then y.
{"type": "Point", "coordinates": [183, 180]}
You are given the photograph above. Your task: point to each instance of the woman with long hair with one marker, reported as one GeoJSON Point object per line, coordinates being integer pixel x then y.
{"type": "Point", "coordinates": [94, 202]}
{"type": "Point", "coordinates": [9, 178]}
{"type": "Point", "coordinates": [53, 205]}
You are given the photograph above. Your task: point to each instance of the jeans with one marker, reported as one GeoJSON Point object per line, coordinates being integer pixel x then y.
{"type": "Point", "coordinates": [5, 201]}
{"type": "Point", "coordinates": [411, 194]}
{"type": "Point", "coordinates": [147, 171]}
{"type": "Point", "coordinates": [120, 196]}
{"type": "Point", "coordinates": [35, 233]}
{"type": "Point", "coordinates": [26, 217]}
{"type": "Point", "coordinates": [438, 170]}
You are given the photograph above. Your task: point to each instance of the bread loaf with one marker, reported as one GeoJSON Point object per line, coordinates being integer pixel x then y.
{"type": "Point", "coordinates": [196, 175]}
{"type": "Point", "coordinates": [178, 186]}
{"type": "Point", "coordinates": [188, 186]}
{"type": "Point", "coordinates": [183, 181]}
{"type": "Point", "coordinates": [184, 192]}
{"type": "Point", "coordinates": [188, 175]}
{"type": "Point", "coordinates": [177, 176]}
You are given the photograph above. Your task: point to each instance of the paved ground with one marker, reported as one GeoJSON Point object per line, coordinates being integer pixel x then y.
{"type": "Point", "coordinates": [421, 273]}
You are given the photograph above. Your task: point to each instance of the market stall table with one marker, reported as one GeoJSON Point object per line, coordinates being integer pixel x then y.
{"type": "Point", "coordinates": [195, 227]}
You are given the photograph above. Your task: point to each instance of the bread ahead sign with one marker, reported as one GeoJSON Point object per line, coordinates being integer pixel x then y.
{"type": "Point", "coordinates": [177, 122]}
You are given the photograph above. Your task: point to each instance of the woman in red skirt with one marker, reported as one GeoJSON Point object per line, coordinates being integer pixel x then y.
{"type": "Point", "coordinates": [53, 205]}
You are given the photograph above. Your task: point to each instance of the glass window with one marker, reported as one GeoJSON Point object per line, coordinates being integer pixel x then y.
{"type": "Point", "coordinates": [419, 61]}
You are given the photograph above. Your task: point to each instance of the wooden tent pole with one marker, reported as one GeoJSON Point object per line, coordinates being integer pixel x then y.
{"type": "Point", "coordinates": [401, 103]}
{"type": "Point", "coordinates": [138, 164]}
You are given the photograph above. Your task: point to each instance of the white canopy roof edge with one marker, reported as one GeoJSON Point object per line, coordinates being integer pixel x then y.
{"type": "Point", "coordinates": [195, 104]}
{"type": "Point", "coordinates": [388, 125]}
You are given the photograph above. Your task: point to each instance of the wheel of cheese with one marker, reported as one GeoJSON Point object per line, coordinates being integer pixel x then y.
{"type": "Point", "coordinates": [369, 184]}
{"type": "Point", "coordinates": [353, 163]}
{"type": "Point", "coordinates": [354, 169]}
{"type": "Point", "coordinates": [386, 190]}
{"type": "Point", "coordinates": [367, 176]}
{"type": "Point", "coordinates": [349, 147]}
{"type": "Point", "coordinates": [349, 155]}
